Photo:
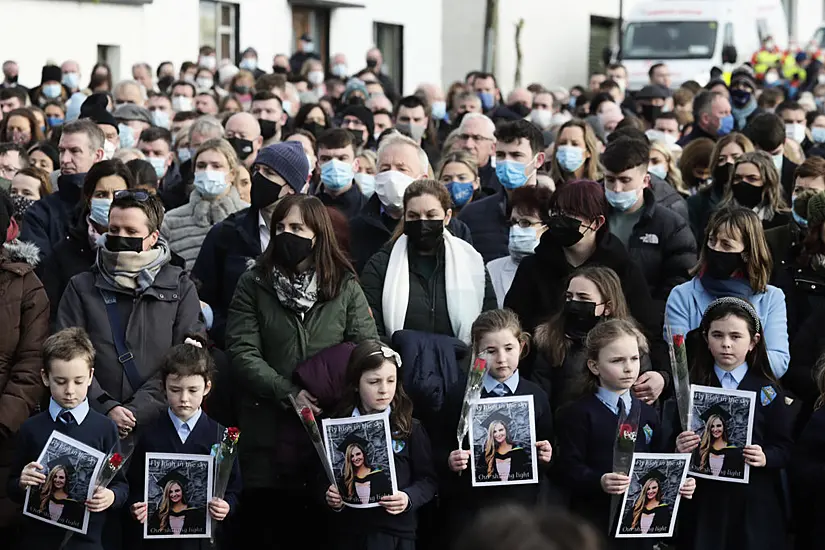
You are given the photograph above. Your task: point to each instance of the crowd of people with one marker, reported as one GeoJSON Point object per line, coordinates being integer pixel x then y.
{"type": "Point", "coordinates": [196, 246]}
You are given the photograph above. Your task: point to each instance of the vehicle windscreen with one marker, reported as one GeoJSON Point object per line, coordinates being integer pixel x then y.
{"type": "Point", "coordinates": [670, 40]}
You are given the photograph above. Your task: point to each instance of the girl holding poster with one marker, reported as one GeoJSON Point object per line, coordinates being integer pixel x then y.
{"type": "Point", "coordinates": [587, 428]}
{"type": "Point", "coordinates": [374, 386]}
{"type": "Point", "coordinates": [733, 356]}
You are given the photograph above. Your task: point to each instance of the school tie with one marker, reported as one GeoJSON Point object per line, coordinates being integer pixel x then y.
{"type": "Point", "coordinates": [620, 408]}
{"type": "Point", "coordinates": [501, 390]}
{"type": "Point", "coordinates": [184, 432]}
{"type": "Point", "coordinates": [67, 418]}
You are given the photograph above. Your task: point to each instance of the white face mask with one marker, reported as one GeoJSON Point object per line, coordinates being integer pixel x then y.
{"type": "Point", "coordinates": [390, 187]}
{"type": "Point", "coordinates": [658, 135]}
{"type": "Point", "coordinates": [181, 103]}
{"type": "Point", "coordinates": [541, 118]}
{"type": "Point", "coordinates": [316, 77]}
{"type": "Point", "coordinates": [108, 149]}
{"type": "Point", "coordinates": [204, 83]}
{"type": "Point", "coordinates": [208, 62]}
{"type": "Point", "coordinates": [795, 132]}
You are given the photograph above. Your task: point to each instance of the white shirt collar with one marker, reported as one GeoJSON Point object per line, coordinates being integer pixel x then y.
{"type": "Point", "coordinates": [738, 373]}
{"type": "Point", "coordinates": [356, 412]}
{"type": "Point", "coordinates": [512, 383]}
{"type": "Point", "coordinates": [78, 412]}
{"type": "Point", "coordinates": [178, 423]}
{"type": "Point", "coordinates": [611, 399]}
{"type": "Point", "coordinates": [263, 232]}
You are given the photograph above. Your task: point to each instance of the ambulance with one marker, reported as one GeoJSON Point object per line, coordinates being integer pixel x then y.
{"type": "Point", "coordinates": [693, 36]}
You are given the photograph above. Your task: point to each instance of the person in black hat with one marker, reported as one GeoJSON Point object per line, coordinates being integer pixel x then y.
{"type": "Point", "coordinates": [174, 516]}
{"type": "Point", "coordinates": [716, 456]}
{"type": "Point", "coordinates": [96, 109]}
{"type": "Point", "coordinates": [502, 459]}
{"type": "Point", "coordinates": [362, 484]}
{"type": "Point", "coordinates": [359, 121]}
{"type": "Point", "coordinates": [649, 102]}
{"type": "Point", "coordinates": [306, 50]}
{"type": "Point", "coordinates": [50, 87]}
{"type": "Point", "coordinates": [54, 502]}
{"type": "Point", "coordinates": [743, 97]}
{"type": "Point", "coordinates": [649, 514]}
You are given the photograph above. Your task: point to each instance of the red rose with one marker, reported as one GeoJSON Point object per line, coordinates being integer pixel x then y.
{"type": "Point", "coordinates": [233, 434]}
{"type": "Point", "coordinates": [479, 365]}
{"type": "Point", "coordinates": [116, 460]}
{"type": "Point", "coordinates": [679, 340]}
{"type": "Point", "coordinates": [626, 431]}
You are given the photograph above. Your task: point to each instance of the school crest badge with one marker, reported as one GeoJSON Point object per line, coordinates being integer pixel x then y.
{"type": "Point", "coordinates": [648, 433]}
{"type": "Point", "coordinates": [767, 395]}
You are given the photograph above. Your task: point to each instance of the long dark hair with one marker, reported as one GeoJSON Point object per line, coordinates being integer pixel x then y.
{"type": "Point", "coordinates": [368, 356]}
{"type": "Point", "coordinates": [331, 264]}
{"type": "Point", "coordinates": [104, 169]}
{"type": "Point", "coordinates": [702, 361]}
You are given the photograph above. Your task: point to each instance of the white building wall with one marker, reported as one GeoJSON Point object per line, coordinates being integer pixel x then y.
{"type": "Point", "coordinates": [170, 30]}
{"type": "Point", "coordinates": [809, 16]}
{"type": "Point", "coordinates": [462, 38]}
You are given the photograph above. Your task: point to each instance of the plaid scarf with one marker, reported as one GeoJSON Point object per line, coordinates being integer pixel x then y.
{"type": "Point", "coordinates": [134, 271]}
{"type": "Point", "coordinates": [297, 293]}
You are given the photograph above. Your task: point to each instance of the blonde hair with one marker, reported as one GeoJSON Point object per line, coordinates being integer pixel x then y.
{"type": "Point", "coordinates": [674, 175]}
{"type": "Point", "coordinates": [744, 224]}
{"type": "Point", "coordinates": [739, 139]}
{"type": "Point", "coordinates": [368, 159]}
{"type": "Point", "coordinates": [221, 146]}
{"type": "Point", "coordinates": [48, 487]}
{"type": "Point", "coordinates": [496, 320]}
{"type": "Point", "coordinates": [639, 506]}
{"type": "Point", "coordinates": [166, 505]}
{"type": "Point", "coordinates": [461, 157]}
{"type": "Point", "coordinates": [707, 442]}
{"type": "Point", "coordinates": [591, 164]}
{"type": "Point", "coordinates": [490, 445]}
{"type": "Point", "coordinates": [349, 472]}
{"type": "Point", "coordinates": [601, 336]}
{"type": "Point", "coordinates": [771, 186]}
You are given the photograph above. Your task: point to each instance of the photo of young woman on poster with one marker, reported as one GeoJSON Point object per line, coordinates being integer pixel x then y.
{"type": "Point", "coordinates": [650, 514]}
{"type": "Point", "coordinates": [716, 455]}
{"type": "Point", "coordinates": [174, 516]}
{"type": "Point", "coordinates": [363, 484]}
{"type": "Point", "coordinates": [54, 501]}
{"type": "Point", "coordinates": [503, 459]}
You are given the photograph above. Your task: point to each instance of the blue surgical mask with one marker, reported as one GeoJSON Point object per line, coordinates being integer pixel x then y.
{"type": "Point", "coordinates": [570, 157]}
{"type": "Point", "coordinates": [99, 211]}
{"type": "Point", "coordinates": [802, 222]}
{"type": "Point", "coordinates": [439, 110]}
{"type": "Point", "coordinates": [127, 137]}
{"type": "Point", "coordinates": [287, 106]}
{"type": "Point", "coordinates": [159, 164]}
{"type": "Point", "coordinates": [336, 174]}
{"type": "Point", "coordinates": [621, 200]}
{"type": "Point", "coordinates": [488, 100]}
{"type": "Point", "coordinates": [184, 154]}
{"type": "Point", "coordinates": [461, 192]}
{"type": "Point", "coordinates": [161, 119]}
{"type": "Point", "coordinates": [523, 242]}
{"type": "Point", "coordinates": [51, 91]}
{"type": "Point", "coordinates": [725, 125]}
{"type": "Point", "coordinates": [71, 80]}
{"type": "Point", "coordinates": [512, 174]}
{"type": "Point", "coordinates": [54, 121]}
{"type": "Point", "coordinates": [211, 183]}
{"type": "Point", "coordinates": [249, 63]}
{"type": "Point", "coordinates": [658, 170]}
{"type": "Point", "coordinates": [366, 182]}
{"type": "Point", "coordinates": [818, 135]}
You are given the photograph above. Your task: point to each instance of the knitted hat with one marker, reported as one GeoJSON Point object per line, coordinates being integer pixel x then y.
{"type": "Point", "coordinates": [743, 75]}
{"type": "Point", "coordinates": [801, 200]}
{"type": "Point", "coordinates": [288, 160]}
{"type": "Point", "coordinates": [6, 212]}
{"type": "Point", "coordinates": [51, 73]}
{"type": "Point", "coordinates": [363, 114]}
{"type": "Point", "coordinates": [354, 84]}
{"type": "Point", "coordinates": [133, 112]}
{"type": "Point", "coordinates": [816, 209]}
{"type": "Point", "coordinates": [95, 109]}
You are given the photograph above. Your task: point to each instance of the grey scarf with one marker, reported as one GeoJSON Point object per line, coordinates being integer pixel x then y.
{"type": "Point", "coordinates": [298, 293]}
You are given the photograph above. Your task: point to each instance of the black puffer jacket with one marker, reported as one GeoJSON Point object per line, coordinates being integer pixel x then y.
{"type": "Point", "coordinates": [427, 305]}
{"type": "Point", "coordinates": [668, 197]}
{"type": "Point", "coordinates": [663, 246]}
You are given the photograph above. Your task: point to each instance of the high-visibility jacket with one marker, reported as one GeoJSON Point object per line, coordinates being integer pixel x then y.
{"type": "Point", "coordinates": [790, 68]}
{"type": "Point", "coordinates": [764, 60]}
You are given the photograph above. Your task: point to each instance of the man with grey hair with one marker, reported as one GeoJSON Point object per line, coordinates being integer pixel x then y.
{"type": "Point", "coordinates": [129, 91]}
{"type": "Point", "coordinates": [71, 76]}
{"type": "Point", "coordinates": [401, 161]}
{"type": "Point", "coordinates": [476, 135]}
{"type": "Point", "coordinates": [46, 222]}
{"type": "Point", "coordinates": [379, 103]}
{"type": "Point", "coordinates": [142, 73]}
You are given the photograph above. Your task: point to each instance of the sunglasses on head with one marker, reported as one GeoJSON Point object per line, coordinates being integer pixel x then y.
{"type": "Point", "coordinates": [140, 196]}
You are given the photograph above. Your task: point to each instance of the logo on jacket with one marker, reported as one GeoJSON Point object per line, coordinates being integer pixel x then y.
{"type": "Point", "coordinates": [649, 238]}
{"type": "Point", "coordinates": [398, 445]}
{"type": "Point", "coordinates": [767, 395]}
{"type": "Point", "coordinates": [648, 433]}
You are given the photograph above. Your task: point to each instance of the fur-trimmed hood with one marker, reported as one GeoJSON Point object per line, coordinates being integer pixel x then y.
{"type": "Point", "coordinates": [22, 252]}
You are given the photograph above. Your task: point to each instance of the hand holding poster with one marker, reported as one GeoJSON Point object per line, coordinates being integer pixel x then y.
{"type": "Point", "coordinates": [71, 468]}
{"type": "Point", "coordinates": [360, 454]}
{"type": "Point", "coordinates": [503, 441]}
{"type": "Point", "coordinates": [178, 490]}
{"type": "Point", "coordinates": [723, 420]}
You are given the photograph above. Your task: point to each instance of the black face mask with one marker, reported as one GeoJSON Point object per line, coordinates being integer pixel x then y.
{"type": "Point", "coordinates": [240, 89]}
{"type": "Point", "coordinates": [520, 109]}
{"type": "Point", "coordinates": [290, 250]}
{"type": "Point", "coordinates": [721, 176]}
{"type": "Point", "coordinates": [358, 136]}
{"type": "Point", "coordinates": [277, 69]}
{"type": "Point", "coordinates": [722, 265]}
{"type": "Point", "coordinates": [115, 243]}
{"type": "Point", "coordinates": [424, 235]}
{"type": "Point", "coordinates": [650, 112]}
{"type": "Point", "coordinates": [243, 147]}
{"type": "Point", "coordinates": [314, 128]}
{"type": "Point", "coordinates": [264, 191]}
{"type": "Point", "coordinates": [165, 82]}
{"type": "Point", "coordinates": [564, 230]}
{"type": "Point", "coordinates": [11, 79]}
{"type": "Point", "coordinates": [356, 100]}
{"type": "Point", "coordinates": [268, 128]}
{"type": "Point", "coordinates": [372, 63]}
{"type": "Point", "coordinates": [579, 318]}
{"type": "Point", "coordinates": [747, 195]}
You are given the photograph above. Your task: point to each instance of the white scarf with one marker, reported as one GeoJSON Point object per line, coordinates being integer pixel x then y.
{"type": "Point", "coordinates": [465, 283]}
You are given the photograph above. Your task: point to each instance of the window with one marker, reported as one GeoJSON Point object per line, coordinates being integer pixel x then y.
{"type": "Point", "coordinates": [390, 40]}
{"type": "Point", "coordinates": [111, 56]}
{"type": "Point", "coordinates": [670, 40]}
{"type": "Point", "coordinates": [315, 23]}
{"type": "Point", "coordinates": [219, 28]}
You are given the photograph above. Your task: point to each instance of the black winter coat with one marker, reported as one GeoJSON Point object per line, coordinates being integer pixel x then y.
{"type": "Point", "coordinates": [73, 255]}
{"type": "Point", "coordinates": [427, 305]}
{"type": "Point", "coordinates": [663, 246]}
{"type": "Point", "coordinates": [489, 223]}
{"type": "Point", "coordinates": [370, 231]}
{"type": "Point", "coordinates": [47, 221]}
{"type": "Point", "coordinates": [701, 207]}
{"type": "Point", "coordinates": [667, 196]}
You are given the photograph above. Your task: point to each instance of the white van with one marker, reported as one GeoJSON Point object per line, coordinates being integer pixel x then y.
{"type": "Point", "coordinates": [693, 36]}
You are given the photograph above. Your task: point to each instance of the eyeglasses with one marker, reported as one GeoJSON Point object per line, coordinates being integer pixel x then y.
{"type": "Point", "coordinates": [140, 196]}
{"type": "Point", "coordinates": [524, 223]}
{"type": "Point", "coordinates": [474, 137]}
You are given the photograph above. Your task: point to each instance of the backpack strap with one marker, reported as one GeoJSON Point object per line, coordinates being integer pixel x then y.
{"type": "Point", "coordinates": [124, 356]}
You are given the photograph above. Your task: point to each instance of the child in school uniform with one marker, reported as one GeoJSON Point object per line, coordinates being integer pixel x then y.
{"type": "Point", "coordinates": [68, 359]}
{"type": "Point", "coordinates": [724, 515]}
{"type": "Point", "coordinates": [587, 427]}
{"type": "Point", "coordinates": [184, 429]}
{"type": "Point", "coordinates": [497, 332]}
{"type": "Point", "coordinates": [373, 385]}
